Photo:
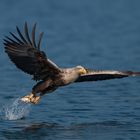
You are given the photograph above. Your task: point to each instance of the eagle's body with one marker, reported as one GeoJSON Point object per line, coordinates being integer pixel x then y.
{"type": "Point", "coordinates": [25, 52]}
{"type": "Point", "coordinates": [63, 78]}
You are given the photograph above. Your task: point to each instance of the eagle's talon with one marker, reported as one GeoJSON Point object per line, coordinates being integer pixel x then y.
{"type": "Point", "coordinates": [35, 99]}
{"type": "Point", "coordinates": [31, 99]}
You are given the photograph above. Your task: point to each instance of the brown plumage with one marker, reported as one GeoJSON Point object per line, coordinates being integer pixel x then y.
{"type": "Point", "coordinates": [24, 51]}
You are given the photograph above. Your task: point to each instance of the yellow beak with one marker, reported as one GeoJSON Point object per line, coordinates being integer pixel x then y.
{"type": "Point", "coordinates": [82, 71]}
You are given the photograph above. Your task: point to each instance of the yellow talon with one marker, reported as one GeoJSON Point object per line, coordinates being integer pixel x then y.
{"type": "Point", "coordinates": [35, 99]}
{"type": "Point", "coordinates": [31, 99]}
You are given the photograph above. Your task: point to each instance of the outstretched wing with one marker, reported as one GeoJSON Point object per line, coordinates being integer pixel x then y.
{"type": "Point", "coordinates": [25, 53]}
{"type": "Point", "coordinates": [105, 75]}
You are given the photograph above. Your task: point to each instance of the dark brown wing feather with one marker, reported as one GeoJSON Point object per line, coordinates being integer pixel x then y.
{"type": "Point", "coordinates": [26, 55]}
{"type": "Point", "coordinates": [105, 75]}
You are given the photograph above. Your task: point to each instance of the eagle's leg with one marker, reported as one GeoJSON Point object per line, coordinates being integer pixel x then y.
{"type": "Point", "coordinates": [38, 88]}
{"type": "Point", "coordinates": [50, 89]}
{"type": "Point", "coordinates": [35, 99]}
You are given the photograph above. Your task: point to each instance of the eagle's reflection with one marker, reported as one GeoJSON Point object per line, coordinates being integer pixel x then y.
{"type": "Point", "coordinates": [32, 131]}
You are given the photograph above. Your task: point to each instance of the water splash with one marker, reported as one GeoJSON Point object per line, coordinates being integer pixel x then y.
{"type": "Point", "coordinates": [16, 110]}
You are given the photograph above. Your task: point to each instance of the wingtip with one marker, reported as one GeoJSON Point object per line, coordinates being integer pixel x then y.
{"type": "Point", "coordinates": [136, 74]}
{"type": "Point", "coordinates": [33, 35]}
{"type": "Point", "coordinates": [21, 39]}
{"type": "Point", "coordinates": [39, 41]}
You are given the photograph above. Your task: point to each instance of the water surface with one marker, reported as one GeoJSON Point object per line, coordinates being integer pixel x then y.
{"type": "Point", "coordinates": [97, 34]}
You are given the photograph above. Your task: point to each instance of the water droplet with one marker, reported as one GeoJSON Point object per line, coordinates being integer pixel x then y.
{"type": "Point", "coordinates": [16, 110]}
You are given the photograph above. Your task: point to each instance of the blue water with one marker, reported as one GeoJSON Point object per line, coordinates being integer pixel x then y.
{"type": "Point", "coordinates": [98, 34]}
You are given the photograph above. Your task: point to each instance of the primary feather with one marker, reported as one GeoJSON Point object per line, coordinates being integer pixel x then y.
{"type": "Point", "coordinates": [26, 55]}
